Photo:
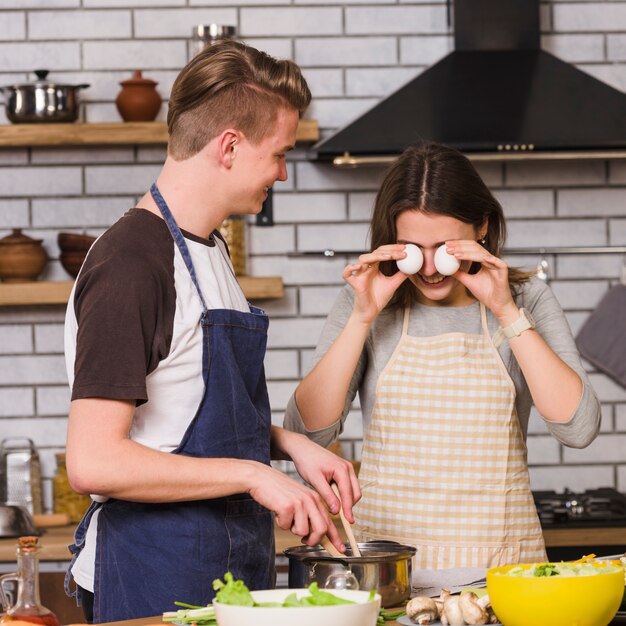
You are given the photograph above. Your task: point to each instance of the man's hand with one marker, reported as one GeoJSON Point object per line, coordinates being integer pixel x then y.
{"type": "Point", "coordinates": [297, 507]}
{"type": "Point", "coordinates": [320, 467]}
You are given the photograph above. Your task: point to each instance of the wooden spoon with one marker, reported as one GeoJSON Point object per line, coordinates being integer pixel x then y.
{"type": "Point", "coordinates": [329, 546]}
{"type": "Point", "coordinates": [346, 524]}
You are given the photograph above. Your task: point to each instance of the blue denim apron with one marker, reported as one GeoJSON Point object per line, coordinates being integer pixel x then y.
{"type": "Point", "coordinates": [150, 555]}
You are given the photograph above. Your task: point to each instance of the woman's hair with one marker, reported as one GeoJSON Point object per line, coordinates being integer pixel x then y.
{"type": "Point", "coordinates": [230, 84]}
{"type": "Point", "coordinates": [437, 180]}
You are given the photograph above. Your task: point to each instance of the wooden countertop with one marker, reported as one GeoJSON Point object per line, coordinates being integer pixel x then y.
{"type": "Point", "coordinates": [156, 621]}
{"type": "Point", "coordinates": [54, 541]}
{"type": "Point", "coordinates": [54, 544]}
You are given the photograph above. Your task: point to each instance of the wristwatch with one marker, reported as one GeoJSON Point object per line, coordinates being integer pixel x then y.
{"type": "Point", "coordinates": [524, 322]}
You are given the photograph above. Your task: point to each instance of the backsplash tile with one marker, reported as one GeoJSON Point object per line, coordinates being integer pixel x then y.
{"type": "Point", "coordinates": [353, 54]}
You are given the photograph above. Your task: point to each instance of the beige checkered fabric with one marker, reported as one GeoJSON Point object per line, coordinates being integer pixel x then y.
{"type": "Point", "coordinates": [444, 461]}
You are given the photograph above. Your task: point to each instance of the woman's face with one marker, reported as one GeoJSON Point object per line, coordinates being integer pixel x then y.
{"type": "Point", "coordinates": [428, 232]}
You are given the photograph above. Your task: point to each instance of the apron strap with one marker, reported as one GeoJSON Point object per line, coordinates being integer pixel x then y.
{"type": "Point", "coordinates": [405, 321]}
{"type": "Point", "coordinates": [483, 321]}
{"type": "Point", "coordinates": [178, 238]}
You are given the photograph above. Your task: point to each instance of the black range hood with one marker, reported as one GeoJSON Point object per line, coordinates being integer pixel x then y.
{"type": "Point", "coordinates": [496, 94]}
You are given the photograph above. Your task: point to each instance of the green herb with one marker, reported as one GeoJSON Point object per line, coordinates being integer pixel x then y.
{"type": "Point", "coordinates": [202, 616]}
{"type": "Point", "coordinates": [387, 616]}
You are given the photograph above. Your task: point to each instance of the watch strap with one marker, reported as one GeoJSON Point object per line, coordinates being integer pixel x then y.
{"type": "Point", "coordinates": [515, 329]}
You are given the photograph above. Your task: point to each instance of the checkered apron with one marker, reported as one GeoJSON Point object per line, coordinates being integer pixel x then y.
{"type": "Point", "coordinates": [444, 464]}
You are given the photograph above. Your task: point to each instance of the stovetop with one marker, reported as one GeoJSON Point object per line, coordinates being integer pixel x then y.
{"type": "Point", "coordinates": [594, 507]}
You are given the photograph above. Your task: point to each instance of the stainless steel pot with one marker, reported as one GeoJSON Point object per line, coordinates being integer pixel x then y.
{"type": "Point", "coordinates": [41, 101]}
{"type": "Point", "coordinates": [383, 565]}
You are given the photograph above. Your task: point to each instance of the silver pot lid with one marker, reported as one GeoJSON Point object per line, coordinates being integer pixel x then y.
{"type": "Point", "coordinates": [213, 32]}
{"type": "Point", "coordinates": [42, 83]}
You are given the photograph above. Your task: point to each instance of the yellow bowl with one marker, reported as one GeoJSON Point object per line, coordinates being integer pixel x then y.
{"type": "Point", "coordinates": [554, 600]}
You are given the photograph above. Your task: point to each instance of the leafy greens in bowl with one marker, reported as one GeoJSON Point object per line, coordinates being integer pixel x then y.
{"type": "Point", "coordinates": [236, 605]}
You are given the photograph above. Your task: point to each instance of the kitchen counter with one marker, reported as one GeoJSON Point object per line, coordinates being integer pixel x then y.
{"type": "Point", "coordinates": [156, 621]}
{"type": "Point", "coordinates": [54, 542]}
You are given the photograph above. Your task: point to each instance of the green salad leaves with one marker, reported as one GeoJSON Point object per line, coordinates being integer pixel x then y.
{"type": "Point", "coordinates": [231, 591]}
{"type": "Point", "coordinates": [545, 570]}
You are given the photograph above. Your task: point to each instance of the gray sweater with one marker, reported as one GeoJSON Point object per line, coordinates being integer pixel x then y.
{"type": "Point", "coordinates": [426, 321]}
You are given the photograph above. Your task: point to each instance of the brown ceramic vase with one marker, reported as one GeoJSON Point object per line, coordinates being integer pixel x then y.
{"type": "Point", "coordinates": [22, 258]}
{"type": "Point", "coordinates": [138, 101]}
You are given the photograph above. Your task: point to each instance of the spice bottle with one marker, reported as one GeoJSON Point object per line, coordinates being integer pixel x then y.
{"type": "Point", "coordinates": [27, 607]}
{"type": "Point", "coordinates": [66, 500]}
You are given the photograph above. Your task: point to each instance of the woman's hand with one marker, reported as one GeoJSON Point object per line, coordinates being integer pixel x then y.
{"type": "Point", "coordinates": [490, 285]}
{"type": "Point", "coordinates": [372, 289]}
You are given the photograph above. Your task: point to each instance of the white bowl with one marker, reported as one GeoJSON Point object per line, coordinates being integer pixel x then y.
{"type": "Point", "coordinates": [363, 613]}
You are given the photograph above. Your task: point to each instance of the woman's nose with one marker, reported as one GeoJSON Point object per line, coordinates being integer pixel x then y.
{"type": "Point", "coordinates": [428, 268]}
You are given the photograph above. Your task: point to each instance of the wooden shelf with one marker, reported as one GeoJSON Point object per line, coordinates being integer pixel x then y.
{"type": "Point", "coordinates": [128, 133]}
{"type": "Point", "coordinates": [58, 292]}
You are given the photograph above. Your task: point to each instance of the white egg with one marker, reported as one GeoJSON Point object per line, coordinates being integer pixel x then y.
{"type": "Point", "coordinates": [413, 261]}
{"type": "Point", "coordinates": [446, 264]}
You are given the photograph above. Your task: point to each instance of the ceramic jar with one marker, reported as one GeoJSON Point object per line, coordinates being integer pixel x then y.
{"type": "Point", "coordinates": [138, 101]}
{"type": "Point", "coordinates": [22, 258]}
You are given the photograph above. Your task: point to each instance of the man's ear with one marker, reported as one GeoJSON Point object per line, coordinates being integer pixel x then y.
{"type": "Point", "coordinates": [227, 145]}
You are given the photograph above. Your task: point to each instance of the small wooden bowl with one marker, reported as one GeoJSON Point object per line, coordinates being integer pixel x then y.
{"type": "Point", "coordinates": [72, 242]}
{"type": "Point", "coordinates": [72, 261]}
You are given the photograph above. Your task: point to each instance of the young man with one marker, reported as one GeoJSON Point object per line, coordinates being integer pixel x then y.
{"type": "Point", "coordinates": [170, 421]}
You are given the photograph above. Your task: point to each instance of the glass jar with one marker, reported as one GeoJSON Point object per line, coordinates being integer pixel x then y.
{"type": "Point", "coordinates": [27, 607]}
{"type": "Point", "coordinates": [233, 229]}
{"type": "Point", "coordinates": [204, 35]}
{"type": "Point", "coordinates": [66, 500]}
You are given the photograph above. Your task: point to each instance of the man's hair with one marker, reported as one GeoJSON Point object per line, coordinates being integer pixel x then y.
{"type": "Point", "coordinates": [230, 85]}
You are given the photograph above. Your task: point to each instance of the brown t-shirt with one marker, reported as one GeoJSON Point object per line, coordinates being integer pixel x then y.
{"type": "Point", "coordinates": [132, 326]}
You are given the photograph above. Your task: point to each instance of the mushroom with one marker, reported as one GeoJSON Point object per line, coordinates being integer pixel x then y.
{"type": "Point", "coordinates": [452, 611]}
{"type": "Point", "coordinates": [439, 602]}
{"type": "Point", "coordinates": [472, 611]}
{"type": "Point", "coordinates": [485, 602]}
{"type": "Point", "coordinates": [422, 610]}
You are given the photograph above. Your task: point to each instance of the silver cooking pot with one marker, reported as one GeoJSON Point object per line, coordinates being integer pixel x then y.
{"type": "Point", "coordinates": [383, 565]}
{"type": "Point", "coordinates": [41, 101]}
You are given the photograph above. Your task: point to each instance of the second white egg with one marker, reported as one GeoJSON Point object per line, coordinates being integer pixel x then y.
{"type": "Point", "coordinates": [413, 261]}
{"type": "Point", "coordinates": [446, 264]}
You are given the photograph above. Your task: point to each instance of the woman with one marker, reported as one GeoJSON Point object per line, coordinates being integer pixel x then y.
{"type": "Point", "coordinates": [444, 464]}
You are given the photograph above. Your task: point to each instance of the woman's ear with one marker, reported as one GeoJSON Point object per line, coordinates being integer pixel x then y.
{"type": "Point", "coordinates": [484, 227]}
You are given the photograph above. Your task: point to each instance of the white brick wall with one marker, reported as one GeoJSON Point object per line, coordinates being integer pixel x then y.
{"type": "Point", "coordinates": [352, 53]}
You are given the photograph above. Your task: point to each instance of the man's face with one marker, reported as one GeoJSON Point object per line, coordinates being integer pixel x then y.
{"type": "Point", "coordinates": [258, 166]}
